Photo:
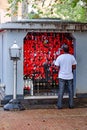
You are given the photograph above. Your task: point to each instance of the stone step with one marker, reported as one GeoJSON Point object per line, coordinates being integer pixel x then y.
{"type": "Point", "coordinates": [49, 102]}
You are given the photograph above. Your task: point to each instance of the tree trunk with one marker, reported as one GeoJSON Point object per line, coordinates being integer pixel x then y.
{"type": "Point", "coordinates": [25, 9]}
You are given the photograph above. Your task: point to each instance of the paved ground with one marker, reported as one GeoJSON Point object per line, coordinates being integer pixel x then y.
{"type": "Point", "coordinates": [44, 119]}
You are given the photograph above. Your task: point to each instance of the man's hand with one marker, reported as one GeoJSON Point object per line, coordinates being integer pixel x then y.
{"type": "Point", "coordinates": [73, 67]}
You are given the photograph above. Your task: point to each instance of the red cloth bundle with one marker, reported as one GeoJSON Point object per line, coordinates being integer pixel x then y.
{"type": "Point", "coordinates": [41, 48]}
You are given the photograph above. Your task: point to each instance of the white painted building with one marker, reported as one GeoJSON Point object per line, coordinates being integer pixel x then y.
{"type": "Point", "coordinates": [18, 30]}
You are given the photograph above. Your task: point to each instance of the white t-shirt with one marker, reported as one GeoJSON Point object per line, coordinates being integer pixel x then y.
{"type": "Point", "coordinates": [65, 62]}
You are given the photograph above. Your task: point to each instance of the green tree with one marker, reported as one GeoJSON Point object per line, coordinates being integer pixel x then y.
{"type": "Point", "coordinates": [71, 11]}
{"type": "Point", "coordinates": [75, 10]}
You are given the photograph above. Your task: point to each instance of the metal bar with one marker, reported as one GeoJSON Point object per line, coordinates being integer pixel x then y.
{"type": "Point", "coordinates": [15, 78]}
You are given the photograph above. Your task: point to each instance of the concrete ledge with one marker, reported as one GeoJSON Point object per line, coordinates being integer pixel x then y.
{"type": "Point", "coordinates": [34, 102]}
{"type": "Point", "coordinates": [7, 98]}
{"type": "Point", "coordinates": [52, 103]}
{"type": "Point", "coordinates": [81, 95]}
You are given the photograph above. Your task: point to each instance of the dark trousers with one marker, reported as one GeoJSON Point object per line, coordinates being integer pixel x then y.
{"type": "Point", "coordinates": [62, 84]}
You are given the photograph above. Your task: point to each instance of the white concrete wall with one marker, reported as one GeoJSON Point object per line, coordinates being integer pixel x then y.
{"type": "Point", "coordinates": [8, 38]}
{"type": "Point", "coordinates": [6, 67]}
{"type": "Point", "coordinates": [1, 57]}
{"type": "Point", "coordinates": [81, 56]}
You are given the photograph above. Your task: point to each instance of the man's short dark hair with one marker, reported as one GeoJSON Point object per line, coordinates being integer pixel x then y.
{"type": "Point", "coordinates": [66, 48]}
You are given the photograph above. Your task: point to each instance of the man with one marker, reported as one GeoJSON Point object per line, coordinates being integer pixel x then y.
{"type": "Point", "coordinates": [66, 63]}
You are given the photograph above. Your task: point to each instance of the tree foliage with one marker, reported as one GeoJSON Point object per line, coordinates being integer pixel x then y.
{"type": "Point", "coordinates": [75, 10]}
{"type": "Point", "coordinates": [70, 11]}
{"type": "Point", "coordinates": [13, 7]}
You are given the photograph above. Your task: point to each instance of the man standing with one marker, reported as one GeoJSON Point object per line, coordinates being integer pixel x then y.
{"type": "Point", "coordinates": [66, 63]}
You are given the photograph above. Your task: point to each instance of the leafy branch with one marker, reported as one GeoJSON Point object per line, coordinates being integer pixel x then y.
{"type": "Point", "coordinates": [75, 10]}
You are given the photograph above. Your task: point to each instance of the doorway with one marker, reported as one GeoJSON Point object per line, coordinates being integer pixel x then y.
{"type": "Point", "coordinates": [40, 51]}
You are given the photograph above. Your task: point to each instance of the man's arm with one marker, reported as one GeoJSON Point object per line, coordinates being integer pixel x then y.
{"type": "Point", "coordinates": [73, 67]}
